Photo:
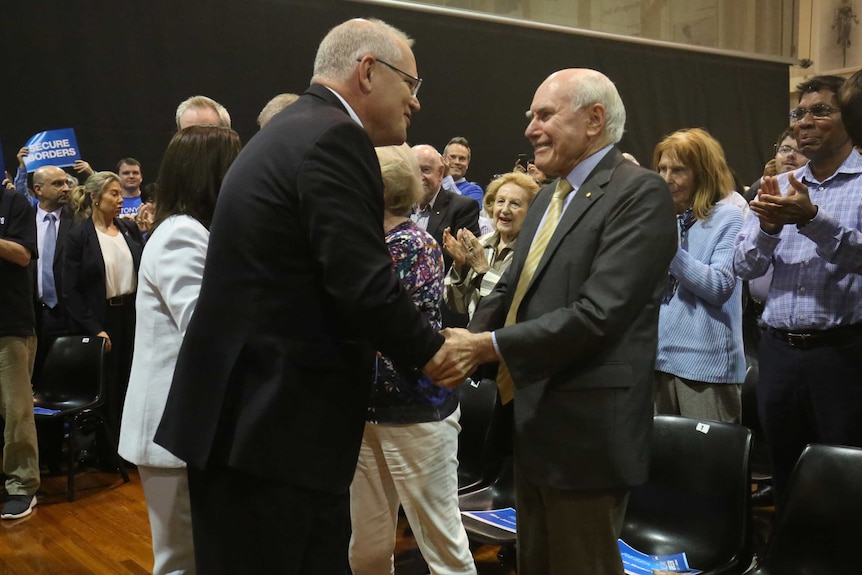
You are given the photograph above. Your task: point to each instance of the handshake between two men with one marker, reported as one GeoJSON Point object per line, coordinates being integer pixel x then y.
{"type": "Point", "coordinates": [459, 356]}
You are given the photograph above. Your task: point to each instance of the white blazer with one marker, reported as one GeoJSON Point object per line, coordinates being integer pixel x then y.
{"type": "Point", "coordinates": [169, 282]}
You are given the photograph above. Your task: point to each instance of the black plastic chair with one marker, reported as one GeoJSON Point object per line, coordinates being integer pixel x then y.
{"type": "Point", "coordinates": [478, 401]}
{"type": "Point", "coordinates": [819, 528]}
{"type": "Point", "coordinates": [71, 388]}
{"type": "Point", "coordinates": [499, 494]}
{"type": "Point", "coordinates": [697, 497]}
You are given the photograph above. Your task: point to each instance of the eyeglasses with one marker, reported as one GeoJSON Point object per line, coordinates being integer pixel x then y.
{"type": "Point", "coordinates": [787, 150]}
{"type": "Point", "coordinates": [413, 82]}
{"type": "Point", "coordinates": [818, 112]}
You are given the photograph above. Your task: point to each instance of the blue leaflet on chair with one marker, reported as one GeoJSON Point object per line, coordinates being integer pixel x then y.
{"type": "Point", "coordinates": [637, 563]}
{"type": "Point", "coordinates": [43, 411]}
{"type": "Point", "coordinates": [501, 518]}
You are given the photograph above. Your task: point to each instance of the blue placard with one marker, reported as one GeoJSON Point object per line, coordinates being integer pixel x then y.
{"type": "Point", "coordinates": [52, 148]}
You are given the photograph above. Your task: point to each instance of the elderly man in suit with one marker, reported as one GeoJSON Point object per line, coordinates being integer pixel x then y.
{"type": "Point", "coordinates": [271, 387]}
{"type": "Point", "coordinates": [440, 209]}
{"type": "Point", "coordinates": [575, 328]}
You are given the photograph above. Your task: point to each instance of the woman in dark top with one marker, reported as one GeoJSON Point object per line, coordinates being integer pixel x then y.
{"type": "Point", "coordinates": [100, 268]}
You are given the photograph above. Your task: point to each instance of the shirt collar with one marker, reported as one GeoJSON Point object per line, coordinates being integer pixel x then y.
{"type": "Point", "coordinates": [579, 175]}
{"type": "Point", "coordinates": [346, 106]}
{"type": "Point", "coordinates": [852, 164]}
{"type": "Point", "coordinates": [430, 202]}
{"type": "Point", "coordinates": [40, 213]}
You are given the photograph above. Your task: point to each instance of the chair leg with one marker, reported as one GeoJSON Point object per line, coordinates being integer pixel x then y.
{"type": "Point", "coordinates": [118, 461]}
{"type": "Point", "coordinates": [71, 459]}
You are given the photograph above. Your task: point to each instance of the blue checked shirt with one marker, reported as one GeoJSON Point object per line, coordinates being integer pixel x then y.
{"type": "Point", "coordinates": [817, 283]}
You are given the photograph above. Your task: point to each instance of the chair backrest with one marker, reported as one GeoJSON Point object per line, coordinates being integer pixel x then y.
{"type": "Point", "coordinates": [819, 528]}
{"type": "Point", "coordinates": [478, 400]}
{"type": "Point", "coordinates": [73, 369]}
{"type": "Point", "coordinates": [697, 497]}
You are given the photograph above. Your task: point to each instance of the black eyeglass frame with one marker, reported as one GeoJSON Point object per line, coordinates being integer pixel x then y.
{"type": "Point", "coordinates": [416, 83]}
{"type": "Point", "coordinates": [817, 111]}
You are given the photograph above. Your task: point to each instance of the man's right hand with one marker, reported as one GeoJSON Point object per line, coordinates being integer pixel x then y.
{"type": "Point", "coordinates": [454, 361]}
{"type": "Point", "coordinates": [25, 151]}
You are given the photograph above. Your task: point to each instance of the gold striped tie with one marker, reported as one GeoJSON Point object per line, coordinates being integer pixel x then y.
{"type": "Point", "coordinates": [534, 256]}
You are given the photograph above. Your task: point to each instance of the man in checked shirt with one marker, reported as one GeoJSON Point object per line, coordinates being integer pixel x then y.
{"type": "Point", "coordinates": [807, 223]}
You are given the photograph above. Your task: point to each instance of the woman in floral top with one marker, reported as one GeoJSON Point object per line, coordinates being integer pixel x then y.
{"type": "Point", "coordinates": [409, 449]}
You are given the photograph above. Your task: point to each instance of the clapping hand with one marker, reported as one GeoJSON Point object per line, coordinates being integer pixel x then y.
{"type": "Point", "coordinates": [454, 248]}
{"type": "Point", "coordinates": [473, 253]}
{"type": "Point", "coordinates": [775, 210]}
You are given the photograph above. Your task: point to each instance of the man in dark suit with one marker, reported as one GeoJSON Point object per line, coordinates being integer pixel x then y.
{"type": "Point", "coordinates": [440, 209]}
{"type": "Point", "coordinates": [271, 387]}
{"type": "Point", "coordinates": [54, 218]}
{"type": "Point", "coordinates": [575, 320]}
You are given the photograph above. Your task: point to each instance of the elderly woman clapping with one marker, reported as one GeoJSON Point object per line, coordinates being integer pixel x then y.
{"type": "Point", "coordinates": [479, 263]}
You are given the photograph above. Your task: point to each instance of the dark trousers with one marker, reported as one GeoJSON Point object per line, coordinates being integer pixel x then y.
{"type": "Point", "coordinates": [249, 524]}
{"type": "Point", "coordinates": [120, 325]}
{"type": "Point", "coordinates": [811, 395]}
{"type": "Point", "coordinates": [568, 532]}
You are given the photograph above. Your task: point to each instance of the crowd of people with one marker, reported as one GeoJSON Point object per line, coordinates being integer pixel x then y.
{"type": "Point", "coordinates": [328, 282]}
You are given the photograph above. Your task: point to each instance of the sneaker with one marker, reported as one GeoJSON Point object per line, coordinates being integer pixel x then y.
{"type": "Point", "coordinates": [18, 506]}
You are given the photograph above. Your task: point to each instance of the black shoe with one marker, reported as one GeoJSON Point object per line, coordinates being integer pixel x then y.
{"type": "Point", "coordinates": [18, 506]}
{"type": "Point", "coordinates": [763, 497]}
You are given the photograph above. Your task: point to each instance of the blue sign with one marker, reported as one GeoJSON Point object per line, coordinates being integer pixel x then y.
{"type": "Point", "coordinates": [52, 148]}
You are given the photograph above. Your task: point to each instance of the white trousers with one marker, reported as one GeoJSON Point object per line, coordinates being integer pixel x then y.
{"type": "Point", "coordinates": [415, 465]}
{"type": "Point", "coordinates": [167, 493]}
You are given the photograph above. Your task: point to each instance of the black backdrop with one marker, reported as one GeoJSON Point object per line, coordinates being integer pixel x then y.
{"type": "Point", "coordinates": [116, 70]}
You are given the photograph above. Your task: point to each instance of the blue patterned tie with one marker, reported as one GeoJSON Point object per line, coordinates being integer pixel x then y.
{"type": "Point", "coordinates": [49, 290]}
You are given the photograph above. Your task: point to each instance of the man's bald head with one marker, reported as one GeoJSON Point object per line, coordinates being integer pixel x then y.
{"type": "Point", "coordinates": [431, 168]}
{"type": "Point", "coordinates": [51, 185]}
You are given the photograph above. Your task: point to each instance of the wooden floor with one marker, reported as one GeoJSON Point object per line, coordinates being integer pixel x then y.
{"type": "Point", "coordinates": [106, 531]}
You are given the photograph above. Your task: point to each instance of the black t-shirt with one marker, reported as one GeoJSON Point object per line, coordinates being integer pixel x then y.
{"type": "Point", "coordinates": [17, 224]}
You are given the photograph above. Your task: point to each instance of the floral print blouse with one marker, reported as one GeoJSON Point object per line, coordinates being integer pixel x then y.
{"type": "Point", "coordinates": [407, 395]}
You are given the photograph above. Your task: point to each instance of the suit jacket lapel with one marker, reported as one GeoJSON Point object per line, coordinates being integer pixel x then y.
{"type": "Point", "coordinates": [438, 212]}
{"type": "Point", "coordinates": [66, 218]}
{"type": "Point", "coordinates": [586, 196]}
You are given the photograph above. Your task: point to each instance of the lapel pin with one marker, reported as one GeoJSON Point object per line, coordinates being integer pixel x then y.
{"type": "Point", "coordinates": [589, 194]}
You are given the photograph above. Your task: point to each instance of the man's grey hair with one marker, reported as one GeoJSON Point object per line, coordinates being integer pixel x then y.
{"type": "Point", "coordinates": [351, 40]}
{"type": "Point", "coordinates": [274, 106]}
{"type": "Point", "coordinates": [596, 88]}
{"type": "Point", "coordinates": [203, 102]}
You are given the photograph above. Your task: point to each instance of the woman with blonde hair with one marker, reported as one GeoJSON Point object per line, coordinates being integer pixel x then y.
{"type": "Point", "coordinates": [478, 263]}
{"type": "Point", "coordinates": [100, 272]}
{"type": "Point", "coordinates": [408, 455]}
{"type": "Point", "coordinates": [700, 363]}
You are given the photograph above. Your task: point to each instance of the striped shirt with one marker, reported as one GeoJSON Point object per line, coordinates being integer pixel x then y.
{"type": "Point", "coordinates": [817, 283]}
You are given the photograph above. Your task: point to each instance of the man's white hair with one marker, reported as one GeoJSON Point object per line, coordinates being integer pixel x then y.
{"type": "Point", "coordinates": [350, 41]}
{"type": "Point", "coordinates": [596, 88]}
{"type": "Point", "coordinates": [203, 102]}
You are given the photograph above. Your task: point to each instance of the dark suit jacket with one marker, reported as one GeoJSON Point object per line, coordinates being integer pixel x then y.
{"type": "Point", "coordinates": [59, 314]}
{"type": "Point", "coordinates": [84, 287]}
{"type": "Point", "coordinates": [453, 211]}
{"type": "Point", "coordinates": [275, 371]}
{"type": "Point", "coordinates": [582, 352]}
